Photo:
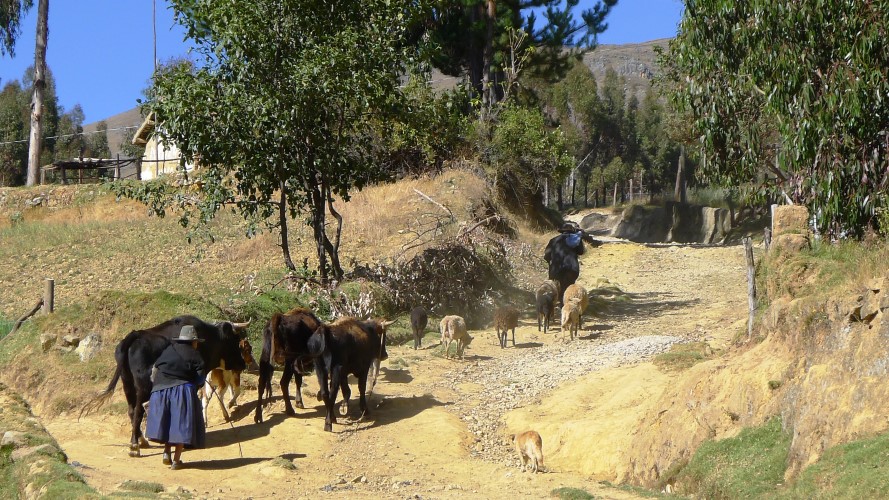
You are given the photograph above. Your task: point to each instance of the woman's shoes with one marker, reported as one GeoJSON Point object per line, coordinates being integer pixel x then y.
{"type": "Point", "coordinates": [177, 465]}
{"type": "Point", "coordinates": [167, 460]}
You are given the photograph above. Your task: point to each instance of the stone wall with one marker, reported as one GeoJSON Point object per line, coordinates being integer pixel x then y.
{"type": "Point", "coordinates": [674, 223]}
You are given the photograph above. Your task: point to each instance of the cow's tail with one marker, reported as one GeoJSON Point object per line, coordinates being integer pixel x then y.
{"type": "Point", "coordinates": [122, 355]}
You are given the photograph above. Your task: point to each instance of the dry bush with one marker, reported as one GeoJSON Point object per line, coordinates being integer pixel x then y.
{"type": "Point", "coordinates": [464, 278]}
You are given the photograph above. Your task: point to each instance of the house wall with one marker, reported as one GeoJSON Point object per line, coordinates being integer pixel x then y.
{"type": "Point", "coordinates": [168, 154]}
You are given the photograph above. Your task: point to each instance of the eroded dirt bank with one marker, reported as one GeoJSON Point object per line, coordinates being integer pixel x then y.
{"type": "Point", "coordinates": [438, 427]}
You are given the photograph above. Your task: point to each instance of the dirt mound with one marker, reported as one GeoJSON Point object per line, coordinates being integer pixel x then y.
{"type": "Point", "coordinates": [822, 368]}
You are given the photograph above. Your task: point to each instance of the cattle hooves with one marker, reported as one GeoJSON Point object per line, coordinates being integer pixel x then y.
{"type": "Point", "coordinates": [135, 453]}
{"type": "Point", "coordinates": [300, 405]}
{"type": "Point", "coordinates": [344, 409]}
{"type": "Point", "coordinates": [143, 443]}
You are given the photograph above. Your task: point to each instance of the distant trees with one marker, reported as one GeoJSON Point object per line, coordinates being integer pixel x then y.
{"type": "Point", "coordinates": [15, 115]}
{"type": "Point", "coordinates": [474, 38]}
{"type": "Point", "coordinates": [605, 122]}
{"type": "Point", "coordinates": [790, 100]}
{"type": "Point", "coordinates": [13, 155]}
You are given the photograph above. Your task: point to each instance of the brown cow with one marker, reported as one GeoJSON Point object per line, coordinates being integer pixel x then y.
{"type": "Point", "coordinates": [285, 342]}
{"type": "Point", "coordinates": [220, 379]}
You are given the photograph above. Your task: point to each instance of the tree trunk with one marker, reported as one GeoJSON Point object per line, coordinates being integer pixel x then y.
{"type": "Point", "coordinates": [282, 221]}
{"type": "Point", "coordinates": [573, 182]}
{"type": "Point", "coordinates": [333, 249]}
{"type": "Point", "coordinates": [36, 138]}
{"type": "Point", "coordinates": [679, 191]}
{"type": "Point", "coordinates": [614, 196]}
{"type": "Point", "coordinates": [488, 61]}
{"type": "Point", "coordinates": [631, 190]}
{"type": "Point", "coordinates": [546, 193]}
{"type": "Point", "coordinates": [586, 187]}
{"type": "Point", "coordinates": [559, 196]}
{"type": "Point", "coordinates": [315, 189]}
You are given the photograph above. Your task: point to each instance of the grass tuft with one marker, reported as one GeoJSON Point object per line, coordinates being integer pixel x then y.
{"type": "Point", "coordinates": [683, 356]}
{"type": "Point", "coordinates": [859, 469]}
{"type": "Point", "coordinates": [141, 486]}
{"type": "Point", "coordinates": [749, 465]}
{"type": "Point", "coordinates": [566, 493]}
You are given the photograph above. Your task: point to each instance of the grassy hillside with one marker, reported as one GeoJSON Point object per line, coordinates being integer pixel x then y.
{"type": "Point", "coordinates": [117, 269]}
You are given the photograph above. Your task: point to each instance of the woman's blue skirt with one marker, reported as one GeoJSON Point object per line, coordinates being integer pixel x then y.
{"type": "Point", "coordinates": [175, 416]}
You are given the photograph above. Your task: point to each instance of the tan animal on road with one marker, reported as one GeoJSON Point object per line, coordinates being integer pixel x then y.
{"type": "Point", "coordinates": [571, 316]}
{"type": "Point", "coordinates": [453, 329]}
{"type": "Point", "coordinates": [530, 449]}
{"type": "Point", "coordinates": [577, 291]}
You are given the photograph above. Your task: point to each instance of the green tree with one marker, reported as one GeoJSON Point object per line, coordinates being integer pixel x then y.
{"type": "Point", "coordinates": [13, 155]}
{"type": "Point", "coordinates": [525, 155]}
{"type": "Point", "coordinates": [807, 120]}
{"type": "Point", "coordinates": [473, 37]}
{"type": "Point", "coordinates": [11, 14]}
{"type": "Point", "coordinates": [287, 100]}
{"type": "Point", "coordinates": [578, 109]}
{"type": "Point", "coordinates": [97, 143]}
{"type": "Point", "coordinates": [71, 143]}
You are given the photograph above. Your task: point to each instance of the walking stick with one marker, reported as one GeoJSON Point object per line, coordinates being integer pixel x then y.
{"type": "Point", "coordinates": [228, 418]}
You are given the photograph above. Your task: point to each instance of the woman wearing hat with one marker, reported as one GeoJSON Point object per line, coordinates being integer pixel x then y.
{"type": "Point", "coordinates": [174, 411]}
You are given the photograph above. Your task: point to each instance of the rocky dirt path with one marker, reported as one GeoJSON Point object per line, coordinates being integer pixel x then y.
{"type": "Point", "coordinates": [437, 426]}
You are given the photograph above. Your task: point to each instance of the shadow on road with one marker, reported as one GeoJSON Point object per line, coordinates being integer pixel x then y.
{"type": "Point", "coordinates": [225, 463]}
{"type": "Point", "coordinates": [392, 376]}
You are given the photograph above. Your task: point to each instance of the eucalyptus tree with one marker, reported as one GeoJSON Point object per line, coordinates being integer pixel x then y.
{"type": "Point", "coordinates": [11, 14]}
{"type": "Point", "coordinates": [283, 106]}
{"type": "Point", "coordinates": [790, 100]}
{"type": "Point", "coordinates": [473, 37]}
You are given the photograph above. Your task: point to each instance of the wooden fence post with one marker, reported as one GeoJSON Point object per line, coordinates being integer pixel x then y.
{"type": "Point", "coordinates": [117, 168]}
{"type": "Point", "coordinates": [49, 291]}
{"type": "Point", "coordinates": [751, 285]}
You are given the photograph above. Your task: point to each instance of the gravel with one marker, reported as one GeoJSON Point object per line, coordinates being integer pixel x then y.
{"type": "Point", "coordinates": [523, 376]}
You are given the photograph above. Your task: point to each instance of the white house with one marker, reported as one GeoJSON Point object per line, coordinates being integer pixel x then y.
{"type": "Point", "coordinates": [159, 158]}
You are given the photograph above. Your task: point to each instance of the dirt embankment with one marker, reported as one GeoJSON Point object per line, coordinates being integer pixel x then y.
{"type": "Point", "coordinates": [822, 367]}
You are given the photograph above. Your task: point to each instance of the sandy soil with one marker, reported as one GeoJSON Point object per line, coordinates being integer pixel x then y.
{"type": "Point", "coordinates": [419, 441]}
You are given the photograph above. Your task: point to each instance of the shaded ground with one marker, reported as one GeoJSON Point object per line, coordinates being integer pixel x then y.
{"type": "Point", "coordinates": [438, 427]}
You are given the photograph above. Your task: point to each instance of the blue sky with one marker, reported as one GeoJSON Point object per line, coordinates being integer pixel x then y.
{"type": "Point", "coordinates": [101, 51]}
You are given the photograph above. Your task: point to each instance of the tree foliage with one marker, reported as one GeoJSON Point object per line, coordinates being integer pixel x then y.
{"type": "Point", "coordinates": [524, 151]}
{"type": "Point", "coordinates": [11, 14]}
{"type": "Point", "coordinates": [283, 111]}
{"type": "Point", "coordinates": [791, 98]}
{"type": "Point", "coordinates": [474, 38]}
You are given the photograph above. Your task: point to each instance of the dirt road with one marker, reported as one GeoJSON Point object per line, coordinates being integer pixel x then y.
{"type": "Point", "coordinates": [438, 427]}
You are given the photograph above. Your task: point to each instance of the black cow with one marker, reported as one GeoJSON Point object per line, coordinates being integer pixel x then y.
{"type": "Point", "coordinates": [419, 319]}
{"type": "Point", "coordinates": [347, 346]}
{"type": "Point", "coordinates": [562, 251]}
{"type": "Point", "coordinates": [284, 341]}
{"type": "Point", "coordinates": [138, 351]}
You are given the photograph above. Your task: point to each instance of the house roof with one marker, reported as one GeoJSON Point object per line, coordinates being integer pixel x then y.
{"type": "Point", "coordinates": [144, 132]}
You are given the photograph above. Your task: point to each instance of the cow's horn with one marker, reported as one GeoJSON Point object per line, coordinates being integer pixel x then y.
{"type": "Point", "coordinates": [387, 323]}
{"type": "Point", "coordinates": [240, 326]}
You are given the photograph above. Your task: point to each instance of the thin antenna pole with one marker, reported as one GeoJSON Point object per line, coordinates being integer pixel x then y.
{"type": "Point", "coordinates": [154, 29]}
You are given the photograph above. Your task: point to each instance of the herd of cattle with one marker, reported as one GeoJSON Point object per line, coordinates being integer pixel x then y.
{"type": "Point", "coordinates": [300, 342]}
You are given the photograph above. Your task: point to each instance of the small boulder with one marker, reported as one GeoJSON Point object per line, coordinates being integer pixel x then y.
{"type": "Point", "coordinates": [43, 449]}
{"type": "Point", "coordinates": [70, 340]}
{"type": "Point", "coordinates": [15, 439]}
{"type": "Point", "coordinates": [47, 340]}
{"type": "Point", "coordinates": [89, 347]}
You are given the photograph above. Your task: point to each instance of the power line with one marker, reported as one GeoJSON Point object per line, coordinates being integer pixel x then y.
{"type": "Point", "coordinates": [72, 135]}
